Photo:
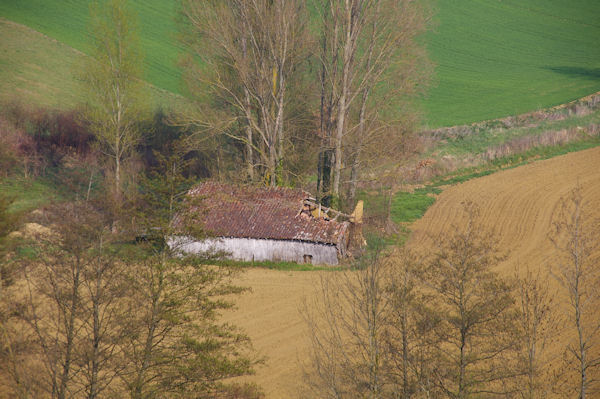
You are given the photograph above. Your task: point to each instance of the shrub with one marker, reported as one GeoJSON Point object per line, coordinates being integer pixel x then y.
{"type": "Point", "coordinates": [40, 137]}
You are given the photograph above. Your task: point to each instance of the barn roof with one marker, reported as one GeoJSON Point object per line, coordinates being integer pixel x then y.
{"type": "Point", "coordinates": [268, 213]}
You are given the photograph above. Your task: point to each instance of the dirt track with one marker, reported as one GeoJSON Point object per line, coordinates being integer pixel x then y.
{"type": "Point", "coordinates": [517, 203]}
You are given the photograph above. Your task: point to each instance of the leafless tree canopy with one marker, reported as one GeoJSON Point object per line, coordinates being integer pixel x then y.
{"type": "Point", "coordinates": [537, 326]}
{"type": "Point", "coordinates": [369, 62]}
{"type": "Point", "coordinates": [371, 335]}
{"type": "Point", "coordinates": [249, 52]}
{"type": "Point", "coordinates": [256, 63]}
{"type": "Point", "coordinates": [348, 322]}
{"type": "Point", "coordinates": [92, 315]}
{"type": "Point", "coordinates": [575, 236]}
{"type": "Point", "coordinates": [405, 326]}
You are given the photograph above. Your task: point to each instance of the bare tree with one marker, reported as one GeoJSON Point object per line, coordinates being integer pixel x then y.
{"type": "Point", "coordinates": [347, 328]}
{"type": "Point", "coordinates": [12, 341]}
{"type": "Point", "coordinates": [575, 235]}
{"type": "Point", "coordinates": [114, 89]}
{"type": "Point", "coordinates": [54, 304]}
{"type": "Point", "coordinates": [371, 336]}
{"type": "Point", "coordinates": [410, 341]}
{"type": "Point", "coordinates": [249, 51]}
{"type": "Point", "coordinates": [174, 346]}
{"type": "Point", "coordinates": [537, 325]}
{"type": "Point", "coordinates": [476, 309]}
{"type": "Point", "coordinates": [103, 319]}
{"type": "Point", "coordinates": [362, 41]}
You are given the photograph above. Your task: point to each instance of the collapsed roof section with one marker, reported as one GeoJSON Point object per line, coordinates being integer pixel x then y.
{"type": "Point", "coordinates": [265, 213]}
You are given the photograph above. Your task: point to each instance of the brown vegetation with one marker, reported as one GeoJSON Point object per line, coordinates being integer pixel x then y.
{"type": "Point", "coordinates": [522, 204]}
{"type": "Point", "coordinates": [90, 314]}
{"type": "Point", "coordinates": [31, 140]}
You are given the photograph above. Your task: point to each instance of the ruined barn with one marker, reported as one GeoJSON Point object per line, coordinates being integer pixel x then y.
{"type": "Point", "coordinates": [268, 224]}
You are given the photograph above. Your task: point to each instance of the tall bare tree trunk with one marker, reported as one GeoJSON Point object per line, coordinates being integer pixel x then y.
{"type": "Point", "coordinates": [148, 349]}
{"type": "Point", "coordinates": [118, 130]}
{"type": "Point", "coordinates": [355, 172]}
{"type": "Point", "coordinates": [272, 166]}
{"type": "Point", "coordinates": [347, 58]}
{"type": "Point", "coordinates": [576, 237]}
{"type": "Point", "coordinates": [325, 163]}
{"type": "Point", "coordinates": [93, 384]}
{"type": "Point", "coordinates": [405, 360]}
{"type": "Point", "coordinates": [337, 171]}
{"type": "Point", "coordinates": [249, 152]}
{"type": "Point", "coordinates": [341, 123]}
{"type": "Point", "coordinates": [279, 125]}
{"type": "Point", "coordinates": [375, 326]}
{"type": "Point", "coordinates": [248, 112]}
{"type": "Point", "coordinates": [73, 306]}
{"type": "Point", "coordinates": [117, 177]}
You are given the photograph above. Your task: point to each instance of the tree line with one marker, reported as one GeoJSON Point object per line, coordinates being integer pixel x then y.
{"type": "Point", "coordinates": [288, 89]}
{"type": "Point", "coordinates": [446, 324]}
{"type": "Point", "coordinates": [297, 87]}
{"type": "Point", "coordinates": [95, 302]}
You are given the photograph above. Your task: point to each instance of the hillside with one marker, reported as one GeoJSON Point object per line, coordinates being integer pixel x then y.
{"type": "Point", "coordinates": [39, 70]}
{"type": "Point", "coordinates": [67, 20]}
{"type": "Point", "coordinates": [36, 68]}
{"type": "Point", "coordinates": [497, 58]}
{"type": "Point", "coordinates": [521, 213]}
{"type": "Point", "coordinates": [494, 58]}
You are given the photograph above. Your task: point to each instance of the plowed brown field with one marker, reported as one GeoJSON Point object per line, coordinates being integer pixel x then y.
{"type": "Point", "coordinates": [270, 315]}
{"type": "Point", "coordinates": [517, 203]}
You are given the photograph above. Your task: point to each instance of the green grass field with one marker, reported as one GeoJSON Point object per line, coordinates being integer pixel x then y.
{"type": "Point", "coordinates": [67, 20]}
{"type": "Point", "coordinates": [497, 58]}
{"type": "Point", "coordinates": [494, 57]}
{"type": "Point", "coordinates": [36, 69]}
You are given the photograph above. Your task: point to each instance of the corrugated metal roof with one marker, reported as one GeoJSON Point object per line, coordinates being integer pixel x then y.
{"type": "Point", "coordinates": [270, 213]}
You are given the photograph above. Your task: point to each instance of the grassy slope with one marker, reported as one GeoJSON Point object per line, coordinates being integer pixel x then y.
{"type": "Point", "coordinates": [494, 58]}
{"type": "Point", "coordinates": [30, 194]}
{"type": "Point", "coordinates": [66, 21]}
{"type": "Point", "coordinates": [475, 144]}
{"type": "Point", "coordinates": [37, 69]}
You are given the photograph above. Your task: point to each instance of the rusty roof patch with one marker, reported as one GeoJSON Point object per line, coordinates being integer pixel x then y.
{"type": "Point", "coordinates": [268, 213]}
